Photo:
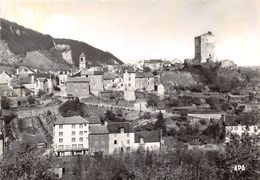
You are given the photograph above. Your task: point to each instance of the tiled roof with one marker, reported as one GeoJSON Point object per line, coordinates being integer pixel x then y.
{"type": "Point", "coordinates": [153, 61]}
{"type": "Point", "coordinates": [25, 80]}
{"type": "Point", "coordinates": [77, 79]}
{"type": "Point", "coordinates": [88, 72]}
{"type": "Point", "coordinates": [94, 120]}
{"type": "Point", "coordinates": [129, 69]}
{"type": "Point", "coordinates": [41, 75]}
{"type": "Point", "coordinates": [70, 120]}
{"type": "Point", "coordinates": [115, 127]}
{"type": "Point", "coordinates": [98, 130]}
{"type": "Point", "coordinates": [148, 136]}
{"type": "Point", "coordinates": [109, 76]}
{"type": "Point", "coordinates": [143, 75]}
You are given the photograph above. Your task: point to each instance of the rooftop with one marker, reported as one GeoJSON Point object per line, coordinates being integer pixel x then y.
{"type": "Point", "coordinates": [98, 130]}
{"type": "Point", "coordinates": [143, 74]}
{"type": "Point", "coordinates": [77, 79]}
{"type": "Point", "coordinates": [115, 127]}
{"type": "Point", "coordinates": [109, 76]}
{"type": "Point", "coordinates": [94, 120]}
{"type": "Point", "coordinates": [91, 72]}
{"type": "Point", "coordinates": [153, 61]}
{"type": "Point", "coordinates": [148, 136]}
{"type": "Point", "coordinates": [70, 120]}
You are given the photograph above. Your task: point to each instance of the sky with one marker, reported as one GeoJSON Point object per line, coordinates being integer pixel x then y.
{"type": "Point", "coordinates": [134, 30]}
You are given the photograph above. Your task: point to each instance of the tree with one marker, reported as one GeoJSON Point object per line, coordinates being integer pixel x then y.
{"type": "Point", "coordinates": [240, 151]}
{"type": "Point", "coordinates": [152, 100]}
{"type": "Point", "coordinates": [31, 100]}
{"type": "Point", "coordinates": [27, 162]}
{"type": "Point", "coordinates": [5, 103]}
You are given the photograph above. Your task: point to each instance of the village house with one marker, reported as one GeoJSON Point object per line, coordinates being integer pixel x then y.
{"type": "Point", "coordinates": [121, 137]}
{"type": "Point", "coordinates": [167, 65]}
{"type": "Point", "coordinates": [240, 129]}
{"type": "Point", "coordinates": [227, 63]}
{"type": "Point", "coordinates": [98, 140]}
{"type": "Point", "coordinates": [5, 78]}
{"type": "Point", "coordinates": [78, 87]}
{"type": "Point", "coordinates": [24, 71]}
{"type": "Point", "coordinates": [82, 61]}
{"type": "Point", "coordinates": [144, 81]}
{"type": "Point", "coordinates": [110, 80]}
{"type": "Point", "coordinates": [128, 83]}
{"type": "Point", "coordinates": [95, 80]}
{"type": "Point", "coordinates": [63, 75]}
{"type": "Point", "coordinates": [71, 136]}
{"type": "Point", "coordinates": [153, 64]}
{"type": "Point", "coordinates": [236, 98]}
{"type": "Point", "coordinates": [148, 140]}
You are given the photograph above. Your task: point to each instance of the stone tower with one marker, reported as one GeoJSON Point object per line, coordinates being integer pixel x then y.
{"type": "Point", "coordinates": [82, 61]}
{"type": "Point", "coordinates": [205, 48]}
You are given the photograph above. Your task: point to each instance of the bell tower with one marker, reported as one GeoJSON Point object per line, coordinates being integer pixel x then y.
{"type": "Point", "coordinates": [82, 61]}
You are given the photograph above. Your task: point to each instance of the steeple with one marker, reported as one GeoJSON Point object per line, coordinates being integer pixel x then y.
{"type": "Point", "coordinates": [82, 61]}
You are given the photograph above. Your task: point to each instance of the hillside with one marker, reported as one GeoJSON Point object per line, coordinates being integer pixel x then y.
{"type": "Point", "coordinates": [23, 46]}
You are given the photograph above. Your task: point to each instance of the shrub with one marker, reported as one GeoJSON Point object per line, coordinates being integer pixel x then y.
{"type": "Point", "coordinates": [5, 103]}
{"type": "Point", "coordinates": [31, 100]}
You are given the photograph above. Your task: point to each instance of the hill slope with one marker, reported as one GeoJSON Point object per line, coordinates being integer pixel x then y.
{"type": "Point", "coordinates": [18, 45]}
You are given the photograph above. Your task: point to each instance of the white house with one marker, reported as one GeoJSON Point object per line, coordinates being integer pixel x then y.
{"type": "Point", "coordinates": [240, 129]}
{"type": "Point", "coordinates": [5, 78]}
{"type": "Point", "coordinates": [121, 137]}
{"type": "Point", "coordinates": [71, 136]}
{"type": "Point", "coordinates": [148, 140]}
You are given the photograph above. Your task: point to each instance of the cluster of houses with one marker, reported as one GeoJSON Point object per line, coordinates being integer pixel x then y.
{"type": "Point", "coordinates": [77, 135]}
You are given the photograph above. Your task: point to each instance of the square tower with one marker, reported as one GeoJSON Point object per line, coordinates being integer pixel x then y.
{"type": "Point", "coordinates": [205, 48]}
{"type": "Point", "coordinates": [82, 61]}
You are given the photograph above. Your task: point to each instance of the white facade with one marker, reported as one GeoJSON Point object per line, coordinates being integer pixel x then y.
{"type": "Point", "coordinates": [5, 78]}
{"type": "Point", "coordinates": [239, 130]}
{"type": "Point", "coordinates": [129, 80]}
{"type": "Point", "coordinates": [71, 138]}
{"type": "Point", "coordinates": [151, 146]}
{"type": "Point", "coordinates": [121, 142]}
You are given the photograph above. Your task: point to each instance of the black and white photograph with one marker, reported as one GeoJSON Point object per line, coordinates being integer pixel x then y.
{"type": "Point", "coordinates": [129, 89]}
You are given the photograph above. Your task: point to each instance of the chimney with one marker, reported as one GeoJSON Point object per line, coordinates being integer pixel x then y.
{"type": "Point", "coordinates": [121, 130]}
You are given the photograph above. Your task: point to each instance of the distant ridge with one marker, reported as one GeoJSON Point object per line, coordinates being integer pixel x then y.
{"type": "Point", "coordinates": [23, 46]}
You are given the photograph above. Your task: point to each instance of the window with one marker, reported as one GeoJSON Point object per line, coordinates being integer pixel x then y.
{"type": "Point", "coordinates": [127, 134]}
{"type": "Point", "coordinates": [60, 133]}
{"type": "Point", "coordinates": [80, 145]}
{"type": "Point", "coordinates": [128, 141]}
{"type": "Point", "coordinates": [80, 132]}
{"type": "Point", "coordinates": [115, 141]}
{"type": "Point", "coordinates": [129, 78]}
{"type": "Point", "coordinates": [73, 139]}
{"type": "Point", "coordinates": [73, 133]}
{"type": "Point", "coordinates": [81, 139]}
{"type": "Point", "coordinates": [81, 126]}
{"type": "Point", "coordinates": [60, 147]}
{"type": "Point", "coordinates": [60, 140]}
{"type": "Point", "coordinates": [129, 84]}
{"type": "Point", "coordinates": [74, 146]}
{"type": "Point", "coordinates": [73, 126]}
{"type": "Point", "coordinates": [60, 126]}
{"type": "Point", "coordinates": [127, 149]}
{"type": "Point", "coordinates": [96, 143]}
{"type": "Point", "coordinates": [121, 85]}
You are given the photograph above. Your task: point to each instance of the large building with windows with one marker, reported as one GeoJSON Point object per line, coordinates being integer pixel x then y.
{"type": "Point", "coordinates": [71, 136]}
{"type": "Point", "coordinates": [121, 137]}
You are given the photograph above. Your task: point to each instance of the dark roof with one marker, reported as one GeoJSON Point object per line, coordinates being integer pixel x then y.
{"type": "Point", "coordinates": [98, 130]}
{"type": "Point", "coordinates": [129, 69]}
{"type": "Point", "coordinates": [94, 120]}
{"type": "Point", "coordinates": [25, 80]}
{"type": "Point", "coordinates": [109, 76]}
{"type": "Point", "coordinates": [77, 79]}
{"type": "Point", "coordinates": [33, 139]}
{"type": "Point", "coordinates": [115, 127]}
{"type": "Point", "coordinates": [148, 136]}
{"type": "Point", "coordinates": [15, 83]}
{"type": "Point", "coordinates": [90, 72]}
{"type": "Point", "coordinates": [70, 120]}
{"type": "Point", "coordinates": [41, 75]}
{"type": "Point", "coordinates": [153, 61]}
{"type": "Point", "coordinates": [143, 74]}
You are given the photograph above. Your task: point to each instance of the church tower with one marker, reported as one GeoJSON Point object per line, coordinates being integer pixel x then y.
{"type": "Point", "coordinates": [82, 61]}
